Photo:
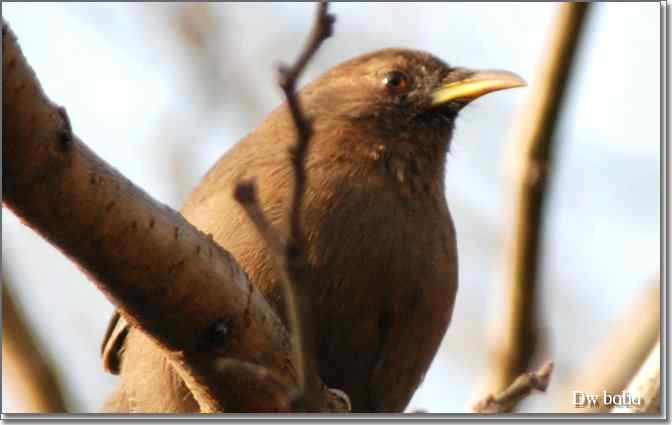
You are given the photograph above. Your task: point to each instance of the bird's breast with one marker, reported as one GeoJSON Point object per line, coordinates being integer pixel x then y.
{"type": "Point", "coordinates": [384, 271]}
{"type": "Point", "coordinates": [382, 263]}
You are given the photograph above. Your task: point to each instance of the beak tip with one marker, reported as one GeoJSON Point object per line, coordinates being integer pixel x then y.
{"type": "Point", "coordinates": [505, 78]}
{"type": "Point", "coordinates": [521, 81]}
{"type": "Point", "coordinates": [477, 84]}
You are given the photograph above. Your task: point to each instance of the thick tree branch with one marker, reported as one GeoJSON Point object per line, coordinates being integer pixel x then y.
{"type": "Point", "coordinates": [289, 254]}
{"type": "Point", "coordinates": [166, 277]}
{"type": "Point", "coordinates": [535, 146]}
{"type": "Point", "coordinates": [25, 370]}
{"type": "Point", "coordinates": [523, 386]}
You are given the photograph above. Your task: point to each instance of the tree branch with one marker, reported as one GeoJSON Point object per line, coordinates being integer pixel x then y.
{"type": "Point", "coordinates": [523, 386]}
{"type": "Point", "coordinates": [166, 277]}
{"type": "Point", "coordinates": [287, 78]}
{"type": "Point", "coordinates": [290, 254]}
{"type": "Point", "coordinates": [618, 358]}
{"type": "Point", "coordinates": [535, 146]}
{"type": "Point", "coordinates": [28, 373]}
{"type": "Point", "coordinates": [645, 386]}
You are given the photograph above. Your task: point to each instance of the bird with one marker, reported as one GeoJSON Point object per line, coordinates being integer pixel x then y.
{"type": "Point", "coordinates": [381, 252]}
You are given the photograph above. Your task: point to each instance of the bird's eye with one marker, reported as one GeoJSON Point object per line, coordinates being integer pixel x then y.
{"type": "Point", "coordinates": [396, 82]}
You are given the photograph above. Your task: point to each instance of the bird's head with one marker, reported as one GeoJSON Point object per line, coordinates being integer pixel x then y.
{"type": "Point", "coordinates": [400, 94]}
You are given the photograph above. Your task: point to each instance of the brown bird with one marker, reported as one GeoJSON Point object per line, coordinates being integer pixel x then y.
{"type": "Point", "coordinates": [381, 247]}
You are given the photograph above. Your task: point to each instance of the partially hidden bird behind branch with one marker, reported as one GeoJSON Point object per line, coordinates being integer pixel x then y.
{"type": "Point", "coordinates": [380, 242]}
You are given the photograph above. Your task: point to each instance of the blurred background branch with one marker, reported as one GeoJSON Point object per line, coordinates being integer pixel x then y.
{"type": "Point", "coordinates": [620, 354]}
{"type": "Point", "coordinates": [214, 82]}
{"type": "Point", "coordinates": [516, 342]}
{"type": "Point", "coordinates": [645, 386]}
{"type": "Point", "coordinates": [26, 368]}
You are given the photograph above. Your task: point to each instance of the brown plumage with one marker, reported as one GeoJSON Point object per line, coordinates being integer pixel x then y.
{"type": "Point", "coordinates": [381, 243]}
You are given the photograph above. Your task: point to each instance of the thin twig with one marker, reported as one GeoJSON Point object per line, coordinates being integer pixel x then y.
{"type": "Point", "coordinates": [287, 78]}
{"type": "Point", "coordinates": [523, 386]}
{"type": "Point", "coordinates": [295, 248]}
{"type": "Point", "coordinates": [289, 254]}
{"type": "Point", "coordinates": [534, 150]}
{"type": "Point", "coordinates": [245, 194]}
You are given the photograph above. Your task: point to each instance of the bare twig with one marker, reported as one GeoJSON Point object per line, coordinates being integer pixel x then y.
{"type": "Point", "coordinates": [644, 389]}
{"type": "Point", "coordinates": [245, 194]}
{"type": "Point", "coordinates": [28, 373]}
{"type": "Point", "coordinates": [167, 278]}
{"type": "Point", "coordinates": [514, 351]}
{"type": "Point", "coordinates": [289, 254]}
{"type": "Point", "coordinates": [287, 78]}
{"type": "Point", "coordinates": [294, 251]}
{"type": "Point", "coordinates": [523, 386]}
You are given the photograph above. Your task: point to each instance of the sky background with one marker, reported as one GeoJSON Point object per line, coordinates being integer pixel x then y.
{"type": "Point", "coordinates": [160, 101]}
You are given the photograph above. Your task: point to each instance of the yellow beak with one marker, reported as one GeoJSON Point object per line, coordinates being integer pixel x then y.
{"type": "Point", "coordinates": [475, 84]}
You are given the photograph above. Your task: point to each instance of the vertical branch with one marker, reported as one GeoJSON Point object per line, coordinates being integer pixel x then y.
{"type": "Point", "coordinates": [297, 302]}
{"type": "Point", "coordinates": [290, 254]}
{"type": "Point", "coordinates": [645, 386]}
{"type": "Point", "coordinates": [287, 79]}
{"type": "Point", "coordinates": [535, 150]}
{"type": "Point", "coordinates": [28, 373]}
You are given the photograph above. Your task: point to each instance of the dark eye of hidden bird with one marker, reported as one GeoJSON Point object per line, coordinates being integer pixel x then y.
{"type": "Point", "coordinates": [380, 249]}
